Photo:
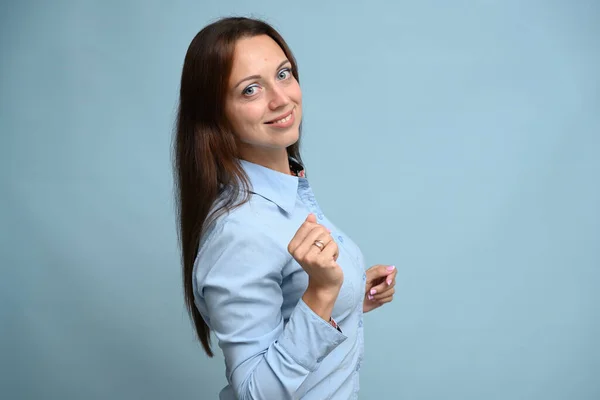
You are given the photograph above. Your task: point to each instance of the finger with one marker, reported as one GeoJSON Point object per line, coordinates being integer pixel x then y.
{"type": "Point", "coordinates": [381, 293]}
{"type": "Point", "coordinates": [333, 246]}
{"type": "Point", "coordinates": [390, 280]}
{"type": "Point", "coordinates": [333, 250]}
{"type": "Point", "coordinates": [379, 271]}
{"type": "Point", "coordinates": [330, 252]}
{"type": "Point", "coordinates": [385, 300]}
{"type": "Point", "coordinates": [307, 246]}
{"type": "Point", "coordinates": [309, 223]}
{"type": "Point", "coordinates": [301, 234]}
{"type": "Point", "coordinates": [392, 276]}
{"type": "Point", "coordinates": [382, 287]}
{"type": "Point", "coordinates": [385, 294]}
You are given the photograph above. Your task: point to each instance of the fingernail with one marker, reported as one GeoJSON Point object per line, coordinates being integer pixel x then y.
{"type": "Point", "coordinates": [373, 291]}
{"type": "Point", "coordinates": [370, 297]}
{"type": "Point", "coordinates": [389, 282]}
{"type": "Point", "coordinates": [391, 268]}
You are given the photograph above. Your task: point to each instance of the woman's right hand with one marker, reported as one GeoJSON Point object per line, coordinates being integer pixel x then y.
{"type": "Point", "coordinates": [325, 276]}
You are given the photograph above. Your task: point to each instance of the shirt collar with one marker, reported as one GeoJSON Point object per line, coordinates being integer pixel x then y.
{"type": "Point", "coordinates": [273, 185]}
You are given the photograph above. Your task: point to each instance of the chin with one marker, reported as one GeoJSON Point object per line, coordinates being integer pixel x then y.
{"type": "Point", "coordinates": [293, 138]}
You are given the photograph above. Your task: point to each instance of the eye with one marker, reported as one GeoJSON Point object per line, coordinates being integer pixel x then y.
{"type": "Point", "coordinates": [250, 90]}
{"type": "Point", "coordinates": [284, 74]}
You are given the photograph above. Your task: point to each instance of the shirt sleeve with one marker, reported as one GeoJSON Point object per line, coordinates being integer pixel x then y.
{"type": "Point", "coordinates": [242, 296]}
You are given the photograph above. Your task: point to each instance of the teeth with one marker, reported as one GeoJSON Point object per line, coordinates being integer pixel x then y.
{"type": "Point", "coordinates": [281, 121]}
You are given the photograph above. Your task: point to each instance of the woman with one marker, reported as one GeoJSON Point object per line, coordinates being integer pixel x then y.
{"type": "Point", "coordinates": [279, 285]}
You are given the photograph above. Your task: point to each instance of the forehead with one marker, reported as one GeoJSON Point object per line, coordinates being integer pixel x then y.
{"type": "Point", "coordinates": [254, 55]}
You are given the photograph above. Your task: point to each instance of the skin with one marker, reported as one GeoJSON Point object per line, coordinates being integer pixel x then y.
{"type": "Point", "coordinates": [381, 280]}
{"type": "Point", "coordinates": [262, 89]}
{"type": "Point", "coordinates": [253, 102]}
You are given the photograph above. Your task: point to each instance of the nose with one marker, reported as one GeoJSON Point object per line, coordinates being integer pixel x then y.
{"type": "Point", "coordinates": [278, 98]}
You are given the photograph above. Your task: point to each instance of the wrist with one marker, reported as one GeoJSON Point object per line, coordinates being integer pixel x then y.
{"type": "Point", "coordinates": [321, 300]}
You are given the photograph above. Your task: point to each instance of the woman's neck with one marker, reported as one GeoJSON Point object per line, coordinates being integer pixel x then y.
{"type": "Point", "coordinates": [277, 161]}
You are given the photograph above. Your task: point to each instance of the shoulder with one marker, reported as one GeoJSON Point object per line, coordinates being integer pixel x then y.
{"type": "Point", "coordinates": [243, 231]}
{"type": "Point", "coordinates": [242, 244]}
{"type": "Point", "coordinates": [256, 220]}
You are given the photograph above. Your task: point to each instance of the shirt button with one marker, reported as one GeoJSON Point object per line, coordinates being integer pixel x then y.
{"type": "Point", "coordinates": [360, 323]}
{"type": "Point", "coordinates": [341, 239]}
{"type": "Point", "coordinates": [364, 276]}
{"type": "Point", "coordinates": [320, 216]}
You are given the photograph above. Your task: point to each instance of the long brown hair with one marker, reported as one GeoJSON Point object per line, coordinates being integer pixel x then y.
{"type": "Point", "coordinates": [206, 157]}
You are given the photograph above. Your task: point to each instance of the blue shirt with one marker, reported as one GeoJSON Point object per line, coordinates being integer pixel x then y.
{"type": "Point", "coordinates": [248, 288]}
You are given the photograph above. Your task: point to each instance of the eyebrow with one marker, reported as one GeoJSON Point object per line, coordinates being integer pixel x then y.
{"type": "Point", "coordinates": [258, 76]}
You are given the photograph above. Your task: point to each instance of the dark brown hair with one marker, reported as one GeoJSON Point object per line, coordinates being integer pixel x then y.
{"type": "Point", "coordinates": [207, 165]}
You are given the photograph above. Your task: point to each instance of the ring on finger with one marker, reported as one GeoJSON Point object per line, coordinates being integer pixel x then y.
{"type": "Point", "coordinates": [319, 244]}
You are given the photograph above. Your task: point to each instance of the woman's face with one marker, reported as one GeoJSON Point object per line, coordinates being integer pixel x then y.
{"type": "Point", "coordinates": [264, 102]}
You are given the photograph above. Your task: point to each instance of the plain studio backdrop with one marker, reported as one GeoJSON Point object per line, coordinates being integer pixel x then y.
{"type": "Point", "coordinates": [458, 140]}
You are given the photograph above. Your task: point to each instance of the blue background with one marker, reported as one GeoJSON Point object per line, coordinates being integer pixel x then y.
{"type": "Point", "coordinates": [458, 140]}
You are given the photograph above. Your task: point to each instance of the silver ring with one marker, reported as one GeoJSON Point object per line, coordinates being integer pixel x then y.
{"type": "Point", "coordinates": [319, 244]}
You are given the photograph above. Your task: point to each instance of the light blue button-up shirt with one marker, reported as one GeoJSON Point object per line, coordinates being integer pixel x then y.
{"type": "Point", "coordinates": [249, 290]}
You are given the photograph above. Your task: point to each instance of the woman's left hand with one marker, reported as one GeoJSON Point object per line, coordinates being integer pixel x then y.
{"type": "Point", "coordinates": [379, 289]}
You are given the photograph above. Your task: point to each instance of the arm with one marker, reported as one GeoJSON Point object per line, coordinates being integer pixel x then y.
{"type": "Point", "coordinates": [243, 300]}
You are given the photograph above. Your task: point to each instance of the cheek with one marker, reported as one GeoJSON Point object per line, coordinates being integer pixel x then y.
{"type": "Point", "coordinates": [296, 93]}
{"type": "Point", "coordinates": [243, 116]}
{"type": "Point", "coordinates": [296, 96]}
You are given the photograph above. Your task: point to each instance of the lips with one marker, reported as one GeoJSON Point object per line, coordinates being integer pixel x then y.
{"type": "Point", "coordinates": [281, 118]}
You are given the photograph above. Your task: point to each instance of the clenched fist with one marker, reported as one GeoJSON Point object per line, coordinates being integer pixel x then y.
{"type": "Point", "coordinates": [325, 276]}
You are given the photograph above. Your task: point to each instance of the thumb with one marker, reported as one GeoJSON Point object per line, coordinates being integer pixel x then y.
{"type": "Point", "coordinates": [380, 271]}
{"type": "Point", "coordinates": [311, 218]}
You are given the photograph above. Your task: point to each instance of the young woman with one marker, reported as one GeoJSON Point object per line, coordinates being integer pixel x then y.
{"type": "Point", "coordinates": [280, 286]}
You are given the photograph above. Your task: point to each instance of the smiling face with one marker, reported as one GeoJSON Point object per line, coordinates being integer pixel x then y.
{"type": "Point", "coordinates": [264, 100]}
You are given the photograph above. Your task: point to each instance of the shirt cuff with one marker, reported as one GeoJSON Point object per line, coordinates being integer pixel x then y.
{"type": "Point", "coordinates": [308, 338]}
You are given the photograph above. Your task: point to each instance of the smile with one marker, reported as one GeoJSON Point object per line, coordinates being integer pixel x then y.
{"type": "Point", "coordinates": [283, 121]}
